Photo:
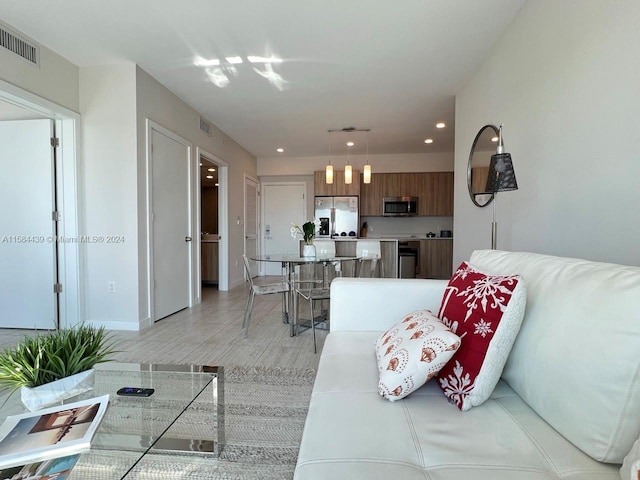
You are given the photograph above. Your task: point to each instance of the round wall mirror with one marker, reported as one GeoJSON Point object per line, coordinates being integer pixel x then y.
{"type": "Point", "coordinates": [484, 145]}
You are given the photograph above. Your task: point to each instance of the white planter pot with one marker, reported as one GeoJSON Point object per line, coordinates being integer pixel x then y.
{"type": "Point", "coordinates": [309, 251]}
{"type": "Point", "coordinates": [55, 392]}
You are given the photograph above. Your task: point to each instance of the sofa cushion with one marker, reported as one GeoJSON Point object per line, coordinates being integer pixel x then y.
{"type": "Point", "coordinates": [351, 432]}
{"type": "Point", "coordinates": [575, 360]}
{"type": "Point", "coordinates": [486, 312]}
{"type": "Point", "coordinates": [412, 352]}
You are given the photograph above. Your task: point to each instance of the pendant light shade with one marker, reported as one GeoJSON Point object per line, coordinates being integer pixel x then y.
{"type": "Point", "coordinates": [366, 174]}
{"type": "Point", "coordinates": [328, 174]}
{"type": "Point", "coordinates": [348, 174]}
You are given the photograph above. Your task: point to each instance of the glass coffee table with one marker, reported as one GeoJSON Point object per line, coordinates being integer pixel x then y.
{"type": "Point", "coordinates": [184, 416]}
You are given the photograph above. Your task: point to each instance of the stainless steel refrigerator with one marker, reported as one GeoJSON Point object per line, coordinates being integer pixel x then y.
{"type": "Point", "coordinates": [338, 216]}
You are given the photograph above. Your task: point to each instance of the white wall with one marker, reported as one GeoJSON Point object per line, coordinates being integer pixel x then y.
{"type": "Point", "coordinates": [564, 79]}
{"type": "Point", "coordinates": [156, 102]}
{"type": "Point", "coordinates": [56, 79]}
{"type": "Point", "coordinates": [109, 193]}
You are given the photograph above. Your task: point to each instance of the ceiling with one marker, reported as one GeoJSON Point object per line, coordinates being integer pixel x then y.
{"type": "Point", "coordinates": [392, 67]}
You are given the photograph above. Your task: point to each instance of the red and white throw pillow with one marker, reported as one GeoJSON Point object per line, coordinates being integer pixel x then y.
{"type": "Point", "coordinates": [486, 312]}
{"type": "Point", "coordinates": [411, 352]}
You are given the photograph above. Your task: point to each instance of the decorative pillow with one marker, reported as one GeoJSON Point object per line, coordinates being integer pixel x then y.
{"type": "Point", "coordinates": [411, 352]}
{"type": "Point", "coordinates": [631, 466]}
{"type": "Point", "coordinates": [486, 313]}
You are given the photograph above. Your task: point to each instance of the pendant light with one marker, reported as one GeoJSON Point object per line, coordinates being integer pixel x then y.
{"type": "Point", "coordinates": [348, 173]}
{"type": "Point", "coordinates": [328, 171]}
{"type": "Point", "coordinates": [366, 173]}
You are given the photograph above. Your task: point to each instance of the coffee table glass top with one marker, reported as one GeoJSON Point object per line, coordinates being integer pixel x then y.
{"type": "Point", "coordinates": [184, 415]}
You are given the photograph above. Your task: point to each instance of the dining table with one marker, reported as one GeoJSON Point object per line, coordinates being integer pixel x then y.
{"type": "Point", "coordinates": [289, 261]}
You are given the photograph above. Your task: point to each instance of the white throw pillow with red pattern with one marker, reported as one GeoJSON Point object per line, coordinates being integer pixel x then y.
{"type": "Point", "coordinates": [486, 312]}
{"type": "Point", "coordinates": [630, 469]}
{"type": "Point", "coordinates": [411, 352]}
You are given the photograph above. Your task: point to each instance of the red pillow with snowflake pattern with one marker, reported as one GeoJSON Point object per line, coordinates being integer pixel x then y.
{"type": "Point", "coordinates": [486, 312]}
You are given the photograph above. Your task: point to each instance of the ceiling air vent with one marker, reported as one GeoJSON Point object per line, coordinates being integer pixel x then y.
{"type": "Point", "coordinates": [205, 126]}
{"type": "Point", "coordinates": [19, 45]}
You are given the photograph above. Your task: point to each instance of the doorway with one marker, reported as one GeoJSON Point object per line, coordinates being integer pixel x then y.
{"type": "Point", "coordinates": [54, 310]}
{"type": "Point", "coordinates": [206, 161]}
{"type": "Point", "coordinates": [251, 223]}
{"type": "Point", "coordinates": [170, 218]}
{"type": "Point", "coordinates": [209, 224]}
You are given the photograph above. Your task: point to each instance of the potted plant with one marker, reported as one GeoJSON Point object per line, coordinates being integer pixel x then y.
{"type": "Point", "coordinates": [308, 231]}
{"type": "Point", "coordinates": [54, 365]}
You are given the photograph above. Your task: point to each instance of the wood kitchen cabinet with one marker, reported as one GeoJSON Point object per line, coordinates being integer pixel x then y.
{"type": "Point", "coordinates": [436, 257]}
{"type": "Point", "coordinates": [433, 189]}
{"type": "Point", "coordinates": [338, 187]}
{"type": "Point", "coordinates": [209, 261]}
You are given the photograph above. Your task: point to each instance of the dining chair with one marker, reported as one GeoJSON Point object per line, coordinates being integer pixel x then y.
{"type": "Point", "coordinates": [264, 289]}
{"type": "Point", "coordinates": [369, 253]}
{"type": "Point", "coordinates": [311, 295]}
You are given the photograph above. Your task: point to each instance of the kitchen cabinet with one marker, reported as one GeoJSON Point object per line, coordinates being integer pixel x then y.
{"type": "Point", "coordinates": [436, 257]}
{"type": "Point", "coordinates": [433, 189]}
{"type": "Point", "coordinates": [338, 187]}
{"type": "Point", "coordinates": [209, 261]}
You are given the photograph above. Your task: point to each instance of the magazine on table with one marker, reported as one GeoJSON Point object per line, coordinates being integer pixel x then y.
{"type": "Point", "coordinates": [51, 433]}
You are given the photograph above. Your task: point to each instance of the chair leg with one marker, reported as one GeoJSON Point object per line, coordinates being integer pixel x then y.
{"type": "Point", "coordinates": [313, 325]}
{"type": "Point", "coordinates": [248, 313]}
{"type": "Point", "coordinates": [246, 310]}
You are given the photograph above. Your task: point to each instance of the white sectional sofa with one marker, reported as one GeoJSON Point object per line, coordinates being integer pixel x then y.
{"type": "Point", "coordinates": [567, 405]}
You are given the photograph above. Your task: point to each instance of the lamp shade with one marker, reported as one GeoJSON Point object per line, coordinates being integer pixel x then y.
{"type": "Point", "coordinates": [348, 174]}
{"type": "Point", "coordinates": [502, 177]}
{"type": "Point", "coordinates": [329, 174]}
{"type": "Point", "coordinates": [367, 174]}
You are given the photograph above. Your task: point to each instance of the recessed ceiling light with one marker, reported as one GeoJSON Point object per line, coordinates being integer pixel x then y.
{"type": "Point", "coordinates": [279, 150]}
{"type": "Point", "coordinates": [440, 125]}
{"type": "Point", "coordinates": [428, 140]}
{"type": "Point", "coordinates": [210, 177]}
{"type": "Point", "coordinates": [211, 169]}
{"type": "Point", "coordinates": [494, 139]}
{"type": "Point", "coordinates": [216, 184]}
{"type": "Point", "coordinates": [350, 144]}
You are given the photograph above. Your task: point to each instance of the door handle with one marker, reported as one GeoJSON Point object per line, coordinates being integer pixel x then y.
{"type": "Point", "coordinates": [187, 239]}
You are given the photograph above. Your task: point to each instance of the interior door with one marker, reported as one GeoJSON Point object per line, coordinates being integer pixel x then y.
{"type": "Point", "coordinates": [282, 205]}
{"type": "Point", "coordinates": [251, 222]}
{"type": "Point", "coordinates": [170, 224]}
{"type": "Point", "coordinates": [27, 230]}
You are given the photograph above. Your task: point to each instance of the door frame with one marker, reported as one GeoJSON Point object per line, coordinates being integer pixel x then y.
{"type": "Point", "coordinates": [258, 215]}
{"type": "Point", "coordinates": [71, 302]}
{"type": "Point", "coordinates": [223, 222]}
{"type": "Point", "coordinates": [150, 126]}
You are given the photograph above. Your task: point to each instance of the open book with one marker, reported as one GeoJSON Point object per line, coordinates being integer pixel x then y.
{"type": "Point", "coordinates": [52, 433]}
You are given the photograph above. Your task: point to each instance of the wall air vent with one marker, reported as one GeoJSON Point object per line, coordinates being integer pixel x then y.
{"type": "Point", "coordinates": [205, 126]}
{"type": "Point", "coordinates": [19, 45]}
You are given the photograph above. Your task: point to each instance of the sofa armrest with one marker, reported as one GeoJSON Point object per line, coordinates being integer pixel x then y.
{"type": "Point", "coordinates": [375, 304]}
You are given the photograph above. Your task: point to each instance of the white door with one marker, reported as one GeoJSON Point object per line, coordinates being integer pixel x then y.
{"type": "Point", "coordinates": [283, 203]}
{"type": "Point", "coordinates": [251, 222]}
{"type": "Point", "coordinates": [27, 230]}
{"type": "Point", "coordinates": [170, 223]}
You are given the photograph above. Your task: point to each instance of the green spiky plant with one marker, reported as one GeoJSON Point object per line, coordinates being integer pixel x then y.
{"type": "Point", "coordinates": [54, 355]}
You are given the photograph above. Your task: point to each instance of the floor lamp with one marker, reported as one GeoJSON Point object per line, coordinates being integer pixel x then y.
{"type": "Point", "coordinates": [501, 178]}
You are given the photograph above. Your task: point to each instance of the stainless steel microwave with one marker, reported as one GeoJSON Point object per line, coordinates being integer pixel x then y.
{"type": "Point", "coordinates": [399, 206]}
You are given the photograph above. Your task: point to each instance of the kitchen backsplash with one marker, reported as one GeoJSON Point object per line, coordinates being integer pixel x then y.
{"type": "Point", "coordinates": [406, 226]}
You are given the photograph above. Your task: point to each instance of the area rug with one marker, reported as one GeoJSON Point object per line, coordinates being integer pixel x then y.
{"type": "Point", "coordinates": [265, 411]}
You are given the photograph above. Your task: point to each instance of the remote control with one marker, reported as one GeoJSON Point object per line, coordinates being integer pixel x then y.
{"type": "Point", "coordinates": [135, 392]}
